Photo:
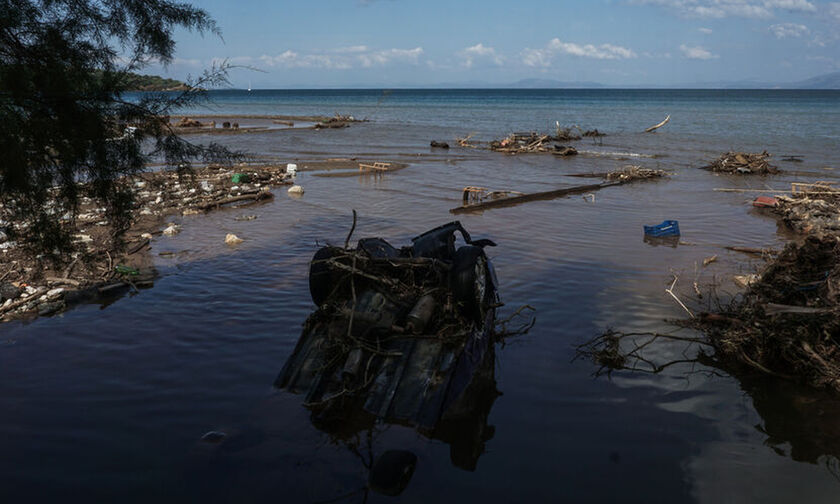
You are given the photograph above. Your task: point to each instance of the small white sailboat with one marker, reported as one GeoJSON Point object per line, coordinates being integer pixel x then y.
{"type": "Point", "coordinates": [249, 86]}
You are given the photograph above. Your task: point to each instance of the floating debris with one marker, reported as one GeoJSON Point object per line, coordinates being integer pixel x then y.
{"type": "Point", "coordinates": [744, 163]}
{"type": "Point", "coordinates": [811, 208]}
{"type": "Point", "coordinates": [657, 126]}
{"type": "Point", "coordinates": [634, 172]}
{"type": "Point", "coordinates": [232, 239]}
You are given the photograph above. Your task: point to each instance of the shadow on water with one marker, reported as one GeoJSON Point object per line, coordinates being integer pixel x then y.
{"type": "Point", "coordinates": [797, 422]}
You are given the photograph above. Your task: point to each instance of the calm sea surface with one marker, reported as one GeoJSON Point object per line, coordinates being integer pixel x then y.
{"type": "Point", "coordinates": [108, 403]}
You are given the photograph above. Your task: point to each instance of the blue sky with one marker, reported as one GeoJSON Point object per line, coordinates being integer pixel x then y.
{"type": "Point", "coordinates": [381, 43]}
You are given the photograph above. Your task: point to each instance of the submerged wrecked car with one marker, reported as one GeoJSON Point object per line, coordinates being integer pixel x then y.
{"type": "Point", "coordinates": [399, 335]}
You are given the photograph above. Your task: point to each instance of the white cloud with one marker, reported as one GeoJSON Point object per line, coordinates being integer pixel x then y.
{"type": "Point", "coordinates": [543, 57]}
{"type": "Point", "coordinates": [697, 52]}
{"type": "Point", "coordinates": [343, 58]}
{"type": "Point", "coordinates": [479, 51]}
{"type": "Point", "coordinates": [785, 30]}
{"type": "Point", "coordinates": [387, 56]}
{"type": "Point", "coordinates": [705, 31]}
{"type": "Point", "coordinates": [834, 10]}
{"type": "Point", "coordinates": [351, 49]}
{"type": "Point", "coordinates": [731, 8]}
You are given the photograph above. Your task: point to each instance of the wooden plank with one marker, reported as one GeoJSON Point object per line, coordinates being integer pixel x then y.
{"type": "Point", "coordinates": [525, 198]}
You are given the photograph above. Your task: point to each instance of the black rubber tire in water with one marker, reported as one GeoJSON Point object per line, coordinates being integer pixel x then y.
{"type": "Point", "coordinates": [322, 278]}
{"type": "Point", "coordinates": [468, 279]}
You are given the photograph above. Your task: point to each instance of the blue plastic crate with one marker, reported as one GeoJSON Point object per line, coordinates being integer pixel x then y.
{"type": "Point", "coordinates": [667, 228]}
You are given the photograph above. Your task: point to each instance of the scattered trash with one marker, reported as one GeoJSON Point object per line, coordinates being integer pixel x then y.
{"type": "Point", "coordinates": [296, 189]}
{"type": "Point", "coordinates": [126, 270]}
{"type": "Point", "coordinates": [812, 208]}
{"type": "Point", "coordinates": [240, 178]}
{"type": "Point", "coordinates": [709, 260]}
{"type": "Point", "coordinates": [634, 172]}
{"type": "Point", "coordinates": [232, 239]}
{"type": "Point", "coordinates": [291, 169]}
{"type": "Point", "coordinates": [172, 229]}
{"type": "Point", "coordinates": [744, 163]}
{"type": "Point", "coordinates": [745, 281]}
{"type": "Point", "coordinates": [517, 143]}
{"type": "Point", "coordinates": [667, 228]}
{"type": "Point", "coordinates": [765, 202]}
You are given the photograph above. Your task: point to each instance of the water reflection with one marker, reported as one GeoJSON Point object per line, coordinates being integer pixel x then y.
{"type": "Point", "coordinates": [799, 422]}
{"type": "Point", "coordinates": [462, 425]}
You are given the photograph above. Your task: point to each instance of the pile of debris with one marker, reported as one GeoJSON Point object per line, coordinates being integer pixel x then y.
{"type": "Point", "coordinates": [788, 322]}
{"type": "Point", "coordinates": [517, 143]}
{"type": "Point", "coordinates": [566, 134]}
{"type": "Point", "coordinates": [634, 172]}
{"type": "Point", "coordinates": [336, 121]}
{"type": "Point", "coordinates": [397, 332]}
{"type": "Point", "coordinates": [744, 163]}
{"type": "Point", "coordinates": [100, 265]}
{"type": "Point", "coordinates": [811, 208]}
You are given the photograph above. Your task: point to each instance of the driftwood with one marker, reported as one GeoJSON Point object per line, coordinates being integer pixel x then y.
{"type": "Point", "coordinates": [663, 123]}
{"type": "Point", "coordinates": [255, 196]}
{"type": "Point", "coordinates": [751, 250]}
{"type": "Point", "coordinates": [525, 198]}
{"type": "Point", "coordinates": [138, 247]}
{"type": "Point", "coordinates": [65, 281]}
{"type": "Point", "coordinates": [20, 302]}
{"type": "Point", "coordinates": [479, 198]}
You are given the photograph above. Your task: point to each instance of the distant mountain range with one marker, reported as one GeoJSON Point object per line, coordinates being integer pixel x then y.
{"type": "Point", "coordinates": [826, 81]}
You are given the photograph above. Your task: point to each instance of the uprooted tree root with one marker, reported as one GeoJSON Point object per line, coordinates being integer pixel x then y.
{"type": "Point", "coordinates": [787, 324]}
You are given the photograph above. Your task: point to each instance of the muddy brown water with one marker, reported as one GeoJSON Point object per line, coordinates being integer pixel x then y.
{"type": "Point", "coordinates": [110, 402]}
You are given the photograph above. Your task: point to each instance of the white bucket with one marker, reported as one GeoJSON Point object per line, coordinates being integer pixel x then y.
{"type": "Point", "coordinates": [291, 169]}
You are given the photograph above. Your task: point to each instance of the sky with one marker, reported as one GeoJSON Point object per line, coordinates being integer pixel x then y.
{"type": "Point", "coordinates": [397, 43]}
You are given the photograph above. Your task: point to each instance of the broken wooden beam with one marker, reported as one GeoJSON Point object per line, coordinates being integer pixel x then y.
{"type": "Point", "coordinates": [656, 127]}
{"type": "Point", "coordinates": [525, 198]}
